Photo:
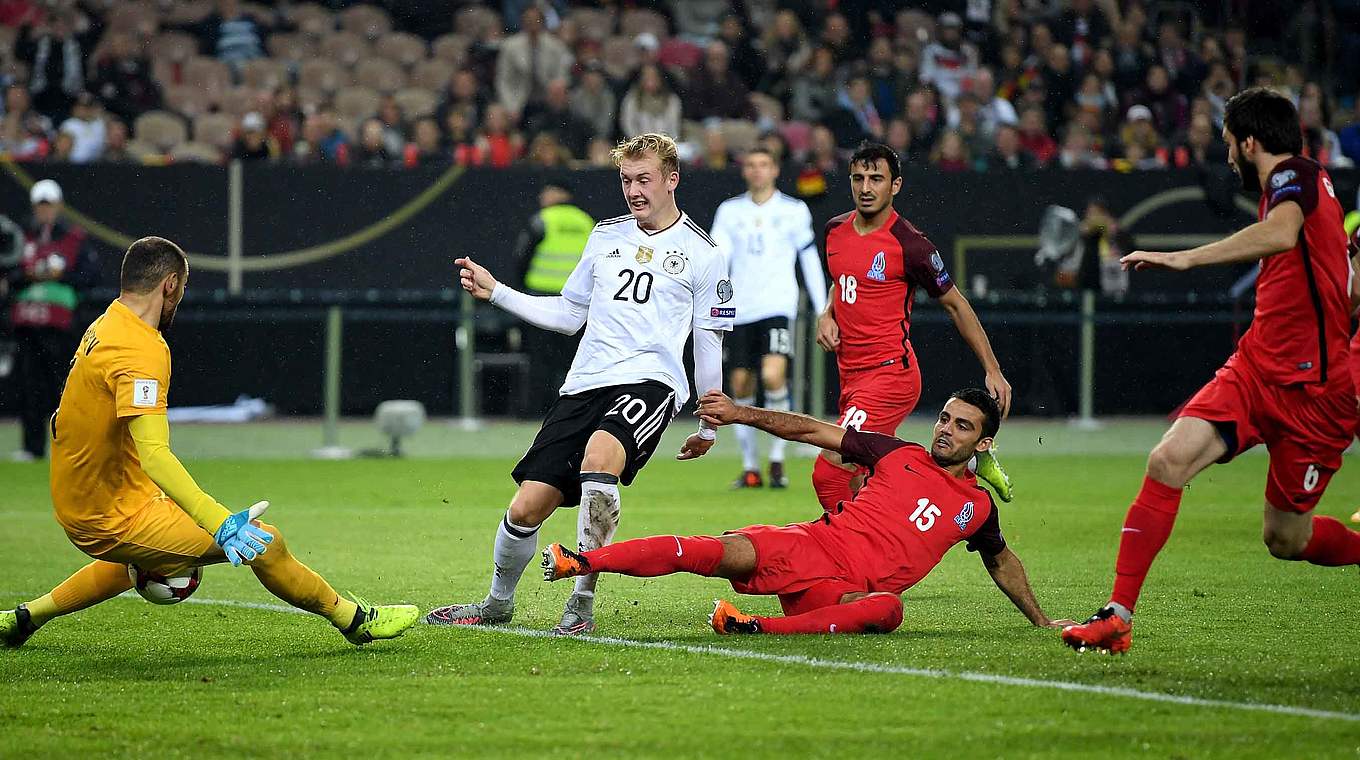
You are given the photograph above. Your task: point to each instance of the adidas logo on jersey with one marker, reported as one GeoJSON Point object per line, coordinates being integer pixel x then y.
{"type": "Point", "coordinates": [614, 254]}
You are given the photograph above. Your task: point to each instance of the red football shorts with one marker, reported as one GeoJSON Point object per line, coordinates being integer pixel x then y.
{"type": "Point", "coordinates": [792, 564]}
{"type": "Point", "coordinates": [1305, 427]}
{"type": "Point", "coordinates": [876, 400]}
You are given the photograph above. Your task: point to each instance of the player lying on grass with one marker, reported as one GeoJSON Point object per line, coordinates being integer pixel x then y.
{"type": "Point", "coordinates": [842, 572]}
{"type": "Point", "coordinates": [1286, 386]}
{"type": "Point", "coordinates": [122, 496]}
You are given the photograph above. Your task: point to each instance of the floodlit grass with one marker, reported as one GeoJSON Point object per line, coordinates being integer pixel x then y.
{"type": "Point", "coordinates": [1219, 620]}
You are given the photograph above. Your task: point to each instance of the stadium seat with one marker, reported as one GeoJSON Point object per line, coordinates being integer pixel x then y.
{"type": "Point", "coordinates": [767, 107]}
{"type": "Point", "coordinates": [740, 135]}
{"type": "Point", "coordinates": [313, 20]}
{"type": "Point", "coordinates": [215, 129]}
{"type": "Point", "coordinates": [239, 101]}
{"type": "Point", "coordinates": [142, 150]}
{"type": "Point", "coordinates": [160, 129]}
{"type": "Point", "coordinates": [679, 54]}
{"type": "Point", "coordinates": [433, 74]}
{"type": "Point", "coordinates": [635, 21]}
{"type": "Point", "coordinates": [798, 135]}
{"type": "Point", "coordinates": [177, 47]}
{"type": "Point", "coordinates": [916, 25]}
{"type": "Point", "coordinates": [323, 74]}
{"type": "Point", "coordinates": [592, 23]}
{"type": "Point", "coordinates": [294, 48]}
{"type": "Point", "coordinates": [474, 21]}
{"type": "Point", "coordinates": [357, 103]}
{"type": "Point", "coordinates": [264, 73]}
{"type": "Point", "coordinates": [136, 18]}
{"type": "Point", "coordinates": [401, 48]}
{"type": "Point", "coordinates": [311, 98]}
{"type": "Point", "coordinates": [187, 11]}
{"type": "Point", "coordinates": [416, 102]}
{"type": "Point", "coordinates": [619, 57]}
{"type": "Point", "coordinates": [367, 21]}
{"type": "Point", "coordinates": [345, 48]}
{"type": "Point", "coordinates": [208, 74]}
{"type": "Point", "coordinates": [380, 74]}
{"type": "Point", "coordinates": [186, 101]}
{"type": "Point", "coordinates": [451, 47]}
{"type": "Point", "coordinates": [196, 153]}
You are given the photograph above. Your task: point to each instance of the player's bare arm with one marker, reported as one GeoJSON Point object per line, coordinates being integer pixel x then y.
{"type": "Point", "coordinates": [717, 409]}
{"type": "Point", "coordinates": [1277, 233]}
{"type": "Point", "coordinates": [970, 328]}
{"type": "Point", "coordinates": [828, 332]}
{"type": "Point", "coordinates": [1009, 575]}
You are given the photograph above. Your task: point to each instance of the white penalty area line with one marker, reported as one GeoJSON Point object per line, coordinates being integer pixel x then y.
{"type": "Point", "coordinates": [874, 667]}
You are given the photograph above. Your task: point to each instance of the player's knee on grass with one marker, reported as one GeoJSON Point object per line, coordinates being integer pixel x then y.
{"type": "Point", "coordinates": [887, 613]}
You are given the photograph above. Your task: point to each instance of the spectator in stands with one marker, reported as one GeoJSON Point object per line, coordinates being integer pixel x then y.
{"type": "Point", "coordinates": [58, 264]}
{"type": "Point", "coordinates": [864, 123]}
{"type": "Point", "coordinates": [593, 102]}
{"type": "Point", "coordinates": [649, 106]}
{"type": "Point", "coordinates": [555, 116]}
{"type": "Point", "coordinates": [715, 155]}
{"type": "Point", "coordinates": [1078, 151]}
{"type": "Point", "coordinates": [464, 92]}
{"type": "Point", "coordinates": [1319, 142]}
{"type": "Point", "coordinates": [1349, 136]}
{"type": "Point", "coordinates": [55, 54]}
{"type": "Point", "coordinates": [814, 89]}
{"type": "Point", "coordinates": [1060, 85]}
{"type": "Point", "coordinates": [1217, 88]}
{"type": "Point", "coordinates": [714, 91]}
{"type": "Point", "coordinates": [284, 118]}
{"type": "Point", "coordinates": [527, 62]}
{"type": "Point", "coordinates": [545, 151]}
{"type": "Point", "coordinates": [322, 140]}
{"type": "Point", "coordinates": [371, 151]}
{"type": "Point", "coordinates": [426, 146]}
{"type": "Point", "coordinates": [1201, 146]}
{"type": "Point", "coordinates": [1008, 153]}
{"type": "Point", "coordinates": [1082, 28]}
{"type": "Point", "coordinates": [1034, 137]}
{"type": "Point", "coordinates": [968, 124]}
{"type": "Point", "coordinates": [1013, 75]}
{"type": "Point", "coordinates": [234, 33]}
{"type": "Point", "coordinates": [23, 131]}
{"type": "Point", "coordinates": [949, 61]}
{"type": "Point", "coordinates": [62, 147]}
{"type": "Point", "coordinates": [1170, 109]}
{"type": "Point", "coordinates": [897, 135]}
{"type": "Point", "coordinates": [1131, 58]}
{"type": "Point", "coordinates": [787, 51]}
{"type": "Point", "coordinates": [949, 153]}
{"type": "Point", "coordinates": [747, 62]}
{"type": "Point", "coordinates": [86, 130]}
{"type": "Point", "coordinates": [887, 85]}
{"type": "Point", "coordinates": [836, 36]}
{"type": "Point", "coordinates": [498, 140]}
{"type": "Point", "coordinates": [461, 138]}
{"type": "Point", "coordinates": [253, 142]}
{"type": "Point", "coordinates": [394, 125]}
{"type": "Point", "coordinates": [116, 143]}
{"type": "Point", "coordinates": [823, 155]}
{"type": "Point", "coordinates": [1183, 65]}
{"type": "Point", "coordinates": [775, 145]}
{"type": "Point", "coordinates": [1139, 130]}
{"type": "Point", "coordinates": [993, 110]}
{"type": "Point", "coordinates": [122, 80]}
{"type": "Point", "coordinates": [599, 153]}
{"type": "Point", "coordinates": [925, 119]}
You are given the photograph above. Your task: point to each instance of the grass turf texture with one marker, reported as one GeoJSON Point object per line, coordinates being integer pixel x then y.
{"type": "Point", "coordinates": [1219, 620]}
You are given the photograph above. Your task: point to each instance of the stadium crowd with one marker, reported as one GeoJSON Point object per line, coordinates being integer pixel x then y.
{"type": "Point", "coordinates": [990, 84]}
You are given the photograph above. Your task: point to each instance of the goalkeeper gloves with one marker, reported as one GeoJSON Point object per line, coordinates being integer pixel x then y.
{"type": "Point", "coordinates": [242, 541]}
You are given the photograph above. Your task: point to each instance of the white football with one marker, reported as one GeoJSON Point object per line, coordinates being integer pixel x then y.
{"type": "Point", "coordinates": [158, 589]}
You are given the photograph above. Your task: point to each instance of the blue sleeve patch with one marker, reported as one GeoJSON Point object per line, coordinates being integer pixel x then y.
{"type": "Point", "coordinates": [1287, 190]}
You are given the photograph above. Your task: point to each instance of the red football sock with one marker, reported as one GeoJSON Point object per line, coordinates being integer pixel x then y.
{"type": "Point", "coordinates": [658, 555]}
{"type": "Point", "coordinates": [1146, 529]}
{"type": "Point", "coordinates": [831, 482]}
{"type": "Point", "coordinates": [1332, 544]}
{"type": "Point", "coordinates": [879, 613]}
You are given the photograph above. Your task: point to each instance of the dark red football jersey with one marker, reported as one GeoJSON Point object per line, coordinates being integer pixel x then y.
{"type": "Point", "coordinates": [908, 514]}
{"type": "Point", "coordinates": [1299, 333]}
{"type": "Point", "coordinates": [876, 277]}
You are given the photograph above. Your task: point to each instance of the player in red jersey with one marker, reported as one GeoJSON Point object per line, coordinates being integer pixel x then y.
{"type": "Point", "coordinates": [1288, 384]}
{"type": "Point", "coordinates": [842, 572]}
{"type": "Point", "coordinates": [1353, 230]}
{"type": "Point", "coordinates": [877, 261]}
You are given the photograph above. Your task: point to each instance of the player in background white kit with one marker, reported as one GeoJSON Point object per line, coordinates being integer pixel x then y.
{"type": "Point", "coordinates": [765, 233]}
{"type": "Point", "coordinates": [647, 282]}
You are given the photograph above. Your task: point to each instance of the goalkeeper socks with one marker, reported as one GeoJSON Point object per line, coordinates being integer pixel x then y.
{"type": "Point", "coordinates": [515, 547]}
{"type": "Point", "coordinates": [777, 401]}
{"type": "Point", "coordinates": [284, 576]}
{"type": "Point", "coordinates": [832, 483]}
{"type": "Point", "coordinates": [1146, 529]}
{"type": "Point", "coordinates": [1332, 544]}
{"type": "Point", "coordinates": [597, 519]}
{"type": "Point", "coordinates": [86, 587]}
{"type": "Point", "coordinates": [878, 613]}
{"type": "Point", "coordinates": [659, 555]}
{"type": "Point", "coordinates": [746, 438]}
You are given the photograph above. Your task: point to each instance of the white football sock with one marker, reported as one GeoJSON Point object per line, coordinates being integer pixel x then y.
{"type": "Point", "coordinates": [596, 520]}
{"type": "Point", "coordinates": [777, 401]}
{"type": "Point", "coordinates": [515, 547]}
{"type": "Point", "coordinates": [746, 438]}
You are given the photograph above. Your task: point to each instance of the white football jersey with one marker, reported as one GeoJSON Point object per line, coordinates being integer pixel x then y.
{"type": "Point", "coordinates": [764, 241]}
{"type": "Point", "coordinates": [646, 292]}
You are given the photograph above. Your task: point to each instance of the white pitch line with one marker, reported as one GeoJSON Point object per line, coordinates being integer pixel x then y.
{"type": "Point", "coordinates": [874, 667]}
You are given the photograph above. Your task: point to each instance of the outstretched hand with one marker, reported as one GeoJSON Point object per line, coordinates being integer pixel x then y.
{"type": "Point", "coordinates": [475, 278]}
{"type": "Point", "coordinates": [1139, 260]}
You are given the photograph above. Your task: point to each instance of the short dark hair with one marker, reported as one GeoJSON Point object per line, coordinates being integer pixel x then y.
{"type": "Point", "coordinates": [868, 153]}
{"type": "Point", "coordinates": [991, 411]}
{"type": "Point", "coordinates": [1267, 115]}
{"type": "Point", "coordinates": [148, 261]}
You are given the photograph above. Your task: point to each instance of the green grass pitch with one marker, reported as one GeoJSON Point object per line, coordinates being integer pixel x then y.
{"type": "Point", "coordinates": [1220, 621]}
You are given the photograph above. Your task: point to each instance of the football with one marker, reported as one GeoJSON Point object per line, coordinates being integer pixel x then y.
{"type": "Point", "coordinates": [158, 589]}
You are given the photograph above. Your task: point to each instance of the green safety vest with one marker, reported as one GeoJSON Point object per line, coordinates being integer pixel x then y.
{"type": "Point", "coordinates": [565, 231]}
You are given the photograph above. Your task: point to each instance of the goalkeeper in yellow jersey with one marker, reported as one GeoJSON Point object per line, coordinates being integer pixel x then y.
{"type": "Point", "coordinates": [122, 496]}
